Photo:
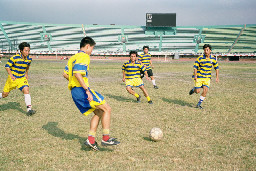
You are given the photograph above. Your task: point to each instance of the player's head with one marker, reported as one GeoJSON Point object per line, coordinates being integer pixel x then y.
{"type": "Point", "coordinates": [133, 55]}
{"type": "Point", "coordinates": [24, 48]}
{"type": "Point", "coordinates": [145, 49]}
{"type": "Point", "coordinates": [87, 44]}
{"type": "Point", "coordinates": [207, 49]}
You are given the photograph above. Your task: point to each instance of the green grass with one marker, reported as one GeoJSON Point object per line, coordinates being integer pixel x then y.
{"type": "Point", "coordinates": [220, 137]}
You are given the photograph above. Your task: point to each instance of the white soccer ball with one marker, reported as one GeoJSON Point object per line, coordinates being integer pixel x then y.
{"type": "Point", "coordinates": [156, 134]}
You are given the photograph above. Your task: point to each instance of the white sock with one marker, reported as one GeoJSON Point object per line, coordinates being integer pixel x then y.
{"type": "Point", "coordinates": [154, 82]}
{"type": "Point", "coordinates": [1, 95]}
{"type": "Point", "coordinates": [28, 101]}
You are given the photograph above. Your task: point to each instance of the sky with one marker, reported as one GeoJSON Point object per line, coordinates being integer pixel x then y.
{"type": "Point", "coordinates": [129, 12]}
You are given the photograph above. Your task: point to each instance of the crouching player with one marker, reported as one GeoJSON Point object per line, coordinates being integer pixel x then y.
{"type": "Point", "coordinates": [131, 76]}
{"type": "Point", "coordinates": [86, 99]}
{"type": "Point", "coordinates": [17, 68]}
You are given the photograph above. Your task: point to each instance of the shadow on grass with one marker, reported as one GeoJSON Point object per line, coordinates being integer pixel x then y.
{"type": "Point", "coordinates": [177, 101]}
{"type": "Point", "coordinates": [12, 105]}
{"type": "Point", "coordinates": [52, 128]}
{"type": "Point", "coordinates": [147, 139]}
{"type": "Point", "coordinates": [119, 98]}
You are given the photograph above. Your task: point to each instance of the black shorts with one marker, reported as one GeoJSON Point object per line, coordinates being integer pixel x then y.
{"type": "Point", "coordinates": [150, 73]}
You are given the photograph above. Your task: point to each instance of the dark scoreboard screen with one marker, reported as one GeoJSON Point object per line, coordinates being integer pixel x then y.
{"type": "Point", "coordinates": [161, 19]}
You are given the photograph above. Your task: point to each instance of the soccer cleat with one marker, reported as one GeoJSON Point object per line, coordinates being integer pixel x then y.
{"type": "Point", "coordinates": [31, 112]}
{"type": "Point", "coordinates": [110, 142]}
{"type": "Point", "coordinates": [199, 107]}
{"type": "Point", "coordinates": [138, 99]}
{"type": "Point", "coordinates": [92, 146]}
{"type": "Point", "coordinates": [150, 102]}
{"type": "Point", "coordinates": [155, 86]}
{"type": "Point", "coordinates": [191, 91]}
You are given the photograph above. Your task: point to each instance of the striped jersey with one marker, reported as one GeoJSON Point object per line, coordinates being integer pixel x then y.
{"type": "Point", "coordinates": [204, 66]}
{"type": "Point", "coordinates": [145, 59]}
{"type": "Point", "coordinates": [18, 65]}
{"type": "Point", "coordinates": [132, 70]}
{"type": "Point", "coordinates": [78, 63]}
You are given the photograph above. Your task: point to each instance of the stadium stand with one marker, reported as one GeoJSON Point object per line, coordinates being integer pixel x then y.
{"type": "Point", "coordinates": [118, 40]}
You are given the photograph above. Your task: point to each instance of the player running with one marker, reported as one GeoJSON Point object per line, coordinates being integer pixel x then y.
{"type": "Point", "coordinates": [86, 99]}
{"type": "Point", "coordinates": [17, 68]}
{"type": "Point", "coordinates": [145, 59]}
{"type": "Point", "coordinates": [202, 73]}
{"type": "Point", "coordinates": [131, 76]}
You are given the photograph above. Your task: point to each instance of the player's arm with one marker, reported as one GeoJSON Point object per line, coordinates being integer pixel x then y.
{"type": "Point", "coordinates": [65, 75]}
{"type": "Point", "coordinates": [82, 83]}
{"type": "Point", "coordinates": [123, 76]}
{"type": "Point", "coordinates": [195, 74]}
{"type": "Point", "coordinates": [26, 73]}
{"type": "Point", "coordinates": [151, 63]}
{"type": "Point", "coordinates": [10, 73]}
{"type": "Point", "coordinates": [146, 73]}
{"type": "Point", "coordinates": [217, 75]}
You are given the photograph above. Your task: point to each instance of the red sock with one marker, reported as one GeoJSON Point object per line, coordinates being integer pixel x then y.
{"type": "Point", "coordinates": [91, 139]}
{"type": "Point", "coordinates": [105, 137]}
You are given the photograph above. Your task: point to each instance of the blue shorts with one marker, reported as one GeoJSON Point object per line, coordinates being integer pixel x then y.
{"type": "Point", "coordinates": [80, 98]}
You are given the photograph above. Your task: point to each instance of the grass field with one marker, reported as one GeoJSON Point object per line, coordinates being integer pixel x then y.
{"type": "Point", "coordinates": [222, 136]}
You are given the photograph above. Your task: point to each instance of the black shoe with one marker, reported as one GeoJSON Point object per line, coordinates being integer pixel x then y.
{"type": "Point", "coordinates": [31, 112]}
{"type": "Point", "coordinates": [150, 102]}
{"type": "Point", "coordinates": [199, 107]}
{"type": "Point", "coordinates": [155, 86]}
{"type": "Point", "coordinates": [138, 99]}
{"type": "Point", "coordinates": [191, 91]}
{"type": "Point", "coordinates": [110, 142]}
{"type": "Point", "coordinates": [92, 146]}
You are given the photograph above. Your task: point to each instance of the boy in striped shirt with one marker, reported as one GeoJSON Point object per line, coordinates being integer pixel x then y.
{"type": "Point", "coordinates": [202, 73]}
{"type": "Point", "coordinates": [131, 76]}
{"type": "Point", "coordinates": [17, 68]}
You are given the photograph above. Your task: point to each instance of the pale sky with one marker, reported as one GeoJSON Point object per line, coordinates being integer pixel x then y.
{"type": "Point", "coordinates": [129, 12]}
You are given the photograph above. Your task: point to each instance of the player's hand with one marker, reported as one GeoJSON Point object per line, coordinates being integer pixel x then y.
{"type": "Point", "coordinates": [90, 98]}
{"type": "Point", "coordinates": [12, 77]}
{"type": "Point", "coordinates": [123, 79]}
{"type": "Point", "coordinates": [195, 78]}
{"type": "Point", "coordinates": [26, 76]}
{"type": "Point", "coordinates": [217, 80]}
{"type": "Point", "coordinates": [152, 66]}
{"type": "Point", "coordinates": [148, 78]}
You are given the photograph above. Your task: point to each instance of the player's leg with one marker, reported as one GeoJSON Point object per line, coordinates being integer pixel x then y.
{"type": "Point", "coordinates": [132, 92]}
{"type": "Point", "coordinates": [202, 97]}
{"type": "Point", "coordinates": [150, 74]}
{"type": "Point", "coordinates": [104, 112]}
{"type": "Point", "coordinates": [9, 85]}
{"type": "Point", "coordinates": [25, 90]}
{"type": "Point", "coordinates": [90, 142]}
{"type": "Point", "coordinates": [146, 94]}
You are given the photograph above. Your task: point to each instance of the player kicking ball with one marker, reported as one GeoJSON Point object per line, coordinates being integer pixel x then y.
{"type": "Point", "coordinates": [202, 73]}
{"type": "Point", "coordinates": [17, 68]}
{"type": "Point", "coordinates": [86, 99]}
{"type": "Point", "coordinates": [131, 76]}
{"type": "Point", "coordinates": [145, 59]}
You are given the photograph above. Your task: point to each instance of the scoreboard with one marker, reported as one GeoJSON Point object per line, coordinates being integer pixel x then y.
{"type": "Point", "coordinates": [161, 19]}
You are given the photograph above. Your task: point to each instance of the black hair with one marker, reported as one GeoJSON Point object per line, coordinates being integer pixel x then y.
{"type": "Point", "coordinates": [23, 45]}
{"type": "Point", "coordinates": [133, 52]}
{"type": "Point", "coordinates": [207, 45]}
{"type": "Point", "coordinates": [145, 47]}
{"type": "Point", "coordinates": [87, 40]}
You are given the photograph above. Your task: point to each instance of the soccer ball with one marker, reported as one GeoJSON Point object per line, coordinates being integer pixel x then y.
{"type": "Point", "coordinates": [156, 134]}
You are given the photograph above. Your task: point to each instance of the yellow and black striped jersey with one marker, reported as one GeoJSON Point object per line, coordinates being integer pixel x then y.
{"type": "Point", "coordinates": [132, 70]}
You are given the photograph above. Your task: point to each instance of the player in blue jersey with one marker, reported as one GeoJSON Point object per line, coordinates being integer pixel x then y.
{"type": "Point", "coordinates": [131, 76]}
{"type": "Point", "coordinates": [145, 59]}
{"type": "Point", "coordinates": [17, 68]}
{"type": "Point", "coordinates": [202, 73]}
{"type": "Point", "coordinates": [86, 99]}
